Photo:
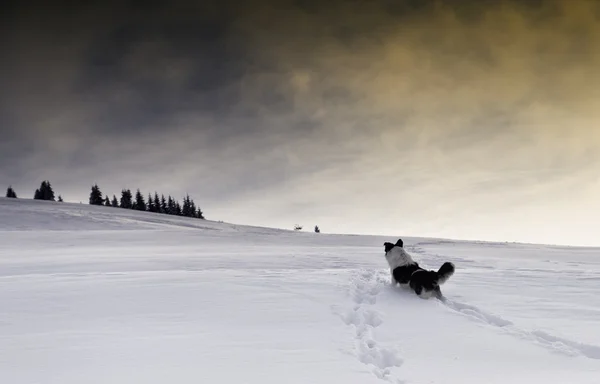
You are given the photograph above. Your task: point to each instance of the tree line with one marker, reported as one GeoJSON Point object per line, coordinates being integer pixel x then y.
{"type": "Point", "coordinates": [153, 203]}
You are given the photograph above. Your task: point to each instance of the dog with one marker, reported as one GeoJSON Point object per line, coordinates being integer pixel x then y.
{"type": "Point", "coordinates": [407, 272]}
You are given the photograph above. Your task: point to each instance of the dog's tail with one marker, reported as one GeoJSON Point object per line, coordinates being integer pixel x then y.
{"type": "Point", "coordinates": [445, 271]}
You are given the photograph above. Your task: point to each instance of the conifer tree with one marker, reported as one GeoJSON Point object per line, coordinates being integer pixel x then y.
{"type": "Point", "coordinates": [126, 199]}
{"type": "Point", "coordinates": [96, 196]}
{"type": "Point", "coordinates": [186, 208]}
{"type": "Point", "coordinates": [171, 206]}
{"type": "Point", "coordinates": [140, 204]}
{"type": "Point", "coordinates": [107, 202]}
{"type": "Point", "coordinates": [10, 192]}
{"type": "Point", "coordinates": [60, 199]}
{"type": "Point", "coordinates": [200, 214]}
{"type": "Point", "coordinates": [163, 204]}
{"type": "Point", "coordinates": [178, 208]}
{"type": "Point", "coordinates": [150, 204]}
{"type": "Point", "coordinates": [45, 192]}
{"type": "Point", "coordinates": [156, 203]}
{"type": "Point", "coordinates": [48, 192]}
{"type": "Point", "coordinates": [193, 212]}
{"type": "Point", "coordinates": [114, 202]}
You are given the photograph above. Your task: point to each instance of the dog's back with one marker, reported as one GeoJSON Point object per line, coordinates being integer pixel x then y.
{"type": "Point", "coordinates": [403, 274]}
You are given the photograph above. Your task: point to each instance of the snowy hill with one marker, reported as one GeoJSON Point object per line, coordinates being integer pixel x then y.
{"type": "Point", "coordinates": [105, 295]}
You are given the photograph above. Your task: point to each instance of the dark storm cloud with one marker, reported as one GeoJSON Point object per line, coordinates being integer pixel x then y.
{"type": "Point", "coordinates": [311, 108]}
{"type": "Point", "coordinates": [131, 81]}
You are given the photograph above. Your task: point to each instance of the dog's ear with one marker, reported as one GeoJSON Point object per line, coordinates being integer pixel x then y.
{"type": "Point", "coordinates": [400, 243]}
{"type": "Point", "coordinates": [388, 246]}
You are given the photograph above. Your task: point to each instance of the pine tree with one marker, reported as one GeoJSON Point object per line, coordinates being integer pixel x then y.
{"type": "Point", "coordinates": [126, 199]}
{"type": "Point", "coordinates": [114, 202]}
{"type": "Point", "coordinates": [186, 208]}
{"type": "Point", "coordinates": [10, 192]}
{"type": "Point", "coordinates": [45, 192]}
{"type": "Point", "coordinates": [163, 204]}
{"type": "Point", "coordinates": [317, 230]}
{"type": "Point", "coordinates": [199, 214]}
{"type": "Point", "coordinates": [140, 204]}
{"type": "Point", "coordinates": [193, 212]}
{"type": "Point", "coordinates": [178, 209]}
{"type": "Point", "coordinates": [156, 203]}
{"type": "Point", "coordinates": [107, 202]}
{"type": "Point", "coordinates": [60, 199]}
{"type": "Point", "coordinates": [171, 206]}
{"type": "Point", "coordinates": [48, 192]}
{"type": "Point", "coordinates": [96, 196]}
{"type": "Point", "coordinates": [150, 204]}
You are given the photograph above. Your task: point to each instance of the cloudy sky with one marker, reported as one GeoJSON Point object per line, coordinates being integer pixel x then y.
{"type": "Point", "coordinates": [461, 119]}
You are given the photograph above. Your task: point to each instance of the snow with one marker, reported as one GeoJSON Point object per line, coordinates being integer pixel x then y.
{"type": "Point", "coordinates": [104, 295]}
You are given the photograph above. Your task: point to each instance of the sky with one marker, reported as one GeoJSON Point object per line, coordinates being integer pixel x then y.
{"type": "Point", "coordinates": [464, 119]}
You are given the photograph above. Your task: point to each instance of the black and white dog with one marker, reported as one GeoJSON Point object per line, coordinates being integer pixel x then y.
{"type": "Point", "coordinates": [406, 272]}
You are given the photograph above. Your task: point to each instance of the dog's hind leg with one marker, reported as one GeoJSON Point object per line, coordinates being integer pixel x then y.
{"type": "Point", "coordinates": [394, 282]}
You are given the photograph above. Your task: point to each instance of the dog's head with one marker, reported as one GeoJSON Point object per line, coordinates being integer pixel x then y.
{"type": "Point", "coordinates": [388, 246]}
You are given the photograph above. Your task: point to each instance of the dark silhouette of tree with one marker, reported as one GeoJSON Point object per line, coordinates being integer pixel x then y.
{"type": "Point", "coordinates": [193, 211]}
{"type": "Point", "coordinates": [48, 192]}
{"type": "Point", "coordinates": [163, 204]}
{"type": "Point", "coordinates": [96, 196]}
{"type": "Point", "coordinates": [171, 209]}
{"type": "Point", "coordinates": [186, 209]}
{"type": "Point", "coordinates": [178, 211]}
{"type": "Point", "coordinates": [114, 203]}
{"type": "Point", "coordinates": [10, 192]}
{"type": "Point", "coordinates": [45, 192]}
{"type": "Point", "coordinates": [107, 202]}
{"type": "Point", "coordinates": [139, 204]}
{"type": "Point", "coordinates": [126, 199]}
{"type": "Point", "coordinates": [317, 230]}
{"type": "Point", "coordinates": [156, 203]}
{"type": "Point", "coordinates": [150, 204]}
{"type": "Point", "coordinates": [60, 199]}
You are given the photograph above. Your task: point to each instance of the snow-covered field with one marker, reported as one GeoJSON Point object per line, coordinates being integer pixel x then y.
{"type": "Point", "coordinates": [104, 295]}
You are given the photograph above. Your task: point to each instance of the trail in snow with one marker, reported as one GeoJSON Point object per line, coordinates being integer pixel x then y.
{"type": "Point", "coordinates": [544, 339]}
{"type": "Point", "coordinates": [364, 318]}
{"type": "Point", "coordinates": [384, 362]}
